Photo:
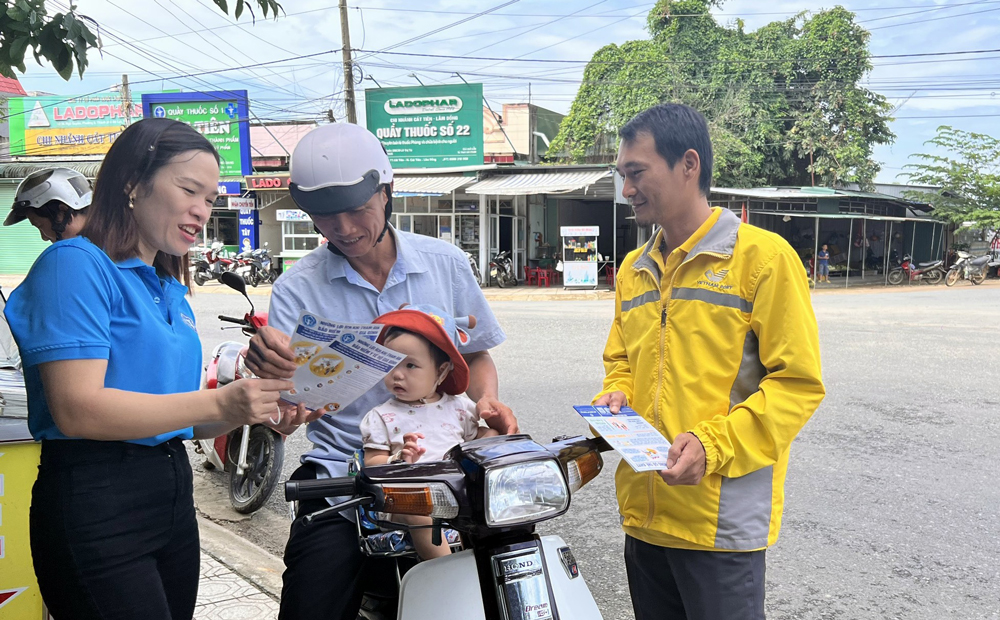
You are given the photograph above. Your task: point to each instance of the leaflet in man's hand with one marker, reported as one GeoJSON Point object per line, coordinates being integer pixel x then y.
{"type": "Point", "coordinates": [639, 443]}
{"type": "Point", "coordinates": [337, 362]}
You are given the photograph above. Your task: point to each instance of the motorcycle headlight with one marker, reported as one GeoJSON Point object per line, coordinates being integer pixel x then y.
{"type": "Point", "coordinates": [525, 493]}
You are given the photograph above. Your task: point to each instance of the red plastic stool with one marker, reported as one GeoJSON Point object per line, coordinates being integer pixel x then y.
{"type": "Point", "coordinates": [544, 274]}
{"type": "Point", "coordinates": [529, 275]}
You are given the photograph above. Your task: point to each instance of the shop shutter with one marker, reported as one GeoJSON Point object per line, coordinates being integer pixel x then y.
{"type": "Point", "coordinates": [20, 244]}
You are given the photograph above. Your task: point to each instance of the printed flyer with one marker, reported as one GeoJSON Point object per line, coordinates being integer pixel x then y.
{"type": "Point", "coordinates": [639, 443]}
{"type": "Point", "coordinates": [338, 362]}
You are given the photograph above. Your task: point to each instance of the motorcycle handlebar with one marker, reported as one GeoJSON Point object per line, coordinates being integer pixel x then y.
{"type": "Point", "coordinates": [319, 489]}
{"type": "Point", "coordinates": [229, 319]}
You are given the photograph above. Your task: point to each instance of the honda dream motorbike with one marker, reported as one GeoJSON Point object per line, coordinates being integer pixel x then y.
{"type": "Point", "coordinates": [492, 492]}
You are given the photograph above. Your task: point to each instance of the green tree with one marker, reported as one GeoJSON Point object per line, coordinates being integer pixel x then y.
{"type": "Point", "coordinates": [64, 38]}
{"type": "Point", "coordinates": [775, 99]}
{"type": "Point", "coordinates": [968, 175]}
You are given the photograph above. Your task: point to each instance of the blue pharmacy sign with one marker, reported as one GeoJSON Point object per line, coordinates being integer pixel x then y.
{"type": "Point", "coordinates": [249, 228]}
{"type": "Point", "coordinates": [221, 116]}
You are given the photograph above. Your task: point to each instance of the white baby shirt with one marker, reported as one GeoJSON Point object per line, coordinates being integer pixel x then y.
{"type": "Point", "coordinates": [449, 421]}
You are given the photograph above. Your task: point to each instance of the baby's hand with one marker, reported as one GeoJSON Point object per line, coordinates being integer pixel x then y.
{"type": "Point", "coordinates": [411, 447]}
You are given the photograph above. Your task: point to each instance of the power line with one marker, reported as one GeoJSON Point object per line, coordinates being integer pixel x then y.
{"type": "Point", "coordinates": [927, 10]}
{"type": "Point", "coordinates": [934, 19]}
{"type": "Point", "coordinates": [657, 62]}
{"type": "Point", "coordinates": [443, 28]}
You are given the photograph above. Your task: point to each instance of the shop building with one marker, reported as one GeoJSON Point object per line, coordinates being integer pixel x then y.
{"type": "Point", "coordinates": [867, 233]}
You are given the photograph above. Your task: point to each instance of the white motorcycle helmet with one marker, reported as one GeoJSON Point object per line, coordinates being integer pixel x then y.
{"type": "Point", "coordinates": [40, 188]}
{"type": "Point", "coordinates": [337, 168]}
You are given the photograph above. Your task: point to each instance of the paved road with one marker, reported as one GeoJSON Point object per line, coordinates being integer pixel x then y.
{"type": "Point", "coordinates": [892, 493]}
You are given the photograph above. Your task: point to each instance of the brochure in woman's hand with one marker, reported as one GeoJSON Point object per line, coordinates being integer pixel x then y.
{"type": "Point", "coordinates": [338, 362]}
{"type": "Point", "coordinates": [639, 443]}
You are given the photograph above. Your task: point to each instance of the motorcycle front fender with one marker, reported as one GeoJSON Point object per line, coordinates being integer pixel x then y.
{"type": "Point", "coordinates": [449, 587]}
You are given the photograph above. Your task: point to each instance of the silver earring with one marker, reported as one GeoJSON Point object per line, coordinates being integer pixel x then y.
{"type": "Point", "coordinates": [131, 203]}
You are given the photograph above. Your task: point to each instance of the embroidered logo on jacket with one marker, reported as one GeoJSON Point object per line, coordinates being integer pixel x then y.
{"type": "Point", "coordinates": [716, 276]}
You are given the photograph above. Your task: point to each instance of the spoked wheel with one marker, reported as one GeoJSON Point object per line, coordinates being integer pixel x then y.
{"type": "Point", "coordinates": [896, 276]}
{"type": "Point", "coordinates": [979, 277]}
{"type": "Point", "coordinates": [934, 277]}
{"type": "Point", "coordinates": [265, 454]}
{"type": "Point", "coordinates": [952, 277]}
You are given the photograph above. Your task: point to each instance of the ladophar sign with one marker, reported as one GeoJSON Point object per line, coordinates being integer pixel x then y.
{"type": "Point", "coordinates": [428, 126]}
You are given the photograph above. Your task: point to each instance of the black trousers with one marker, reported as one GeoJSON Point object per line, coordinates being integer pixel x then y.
{"type": "Point", "coordinates": [325, 572]}
{"type": "Point", "coordinates": [679, 584]}
{"type": "Point", "coordinates": [113, 531]}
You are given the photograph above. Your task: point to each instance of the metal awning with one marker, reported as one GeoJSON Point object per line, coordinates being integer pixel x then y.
{"type": "Point", "coordinates": [847, 216]}
{"type": "Point", "coordinates": [430, 185]}
{"type": "Point", "coordinates": [537, 183]}
{"type": "Point", "coordinates": [19, 170]}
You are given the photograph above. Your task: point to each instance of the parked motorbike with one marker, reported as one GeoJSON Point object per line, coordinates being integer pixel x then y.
{"type": "Point", "coordinates": [930, 272]}
{"type": "Point", "coordinates": [212, 264]}
{"type": "Point", "coordinates": [255, 266]}
{"type": "Point", "coordinates": [474, 264]}
{"type": "Point", "coordinates": [489, 494]}
{"type": "Point", "coordinates": [967, 268]}
{"type": "Point", "coordinates": [252, 455]}
{"type": "Point", "coordinates": [502, 269]}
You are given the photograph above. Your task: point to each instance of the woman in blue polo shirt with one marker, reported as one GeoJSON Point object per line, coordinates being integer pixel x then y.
{"type": "Point", "coordinates": [112, 365]}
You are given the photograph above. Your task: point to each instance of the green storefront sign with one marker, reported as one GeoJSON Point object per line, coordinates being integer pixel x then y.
{"type": "Point", "coordinates": [219, 116]}
{"type": "Point", "coordinates": [428, 126]}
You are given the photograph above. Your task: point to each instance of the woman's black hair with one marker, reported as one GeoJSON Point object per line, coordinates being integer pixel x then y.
{"type": "Point", "coordinates": [130, 165]}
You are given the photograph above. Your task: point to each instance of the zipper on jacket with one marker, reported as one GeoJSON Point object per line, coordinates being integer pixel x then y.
{"type": "Point", "coordinates": [659, 387]}
{"type": "Point", "coordinates": [656, 414]}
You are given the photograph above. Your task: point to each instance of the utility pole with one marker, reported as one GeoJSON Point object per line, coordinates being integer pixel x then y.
{"type": "Point", "coordinates": [126, 101]}
{"type": "Point", "coordinates": [345, 36]}
{"type": "Point", "coordinates": [812, 165]}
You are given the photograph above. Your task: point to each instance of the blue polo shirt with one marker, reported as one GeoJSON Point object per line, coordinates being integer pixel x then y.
{"type": "Point", "coordinates": [426, 271]}
{"type": "Point", "coordinates": [76, 303]}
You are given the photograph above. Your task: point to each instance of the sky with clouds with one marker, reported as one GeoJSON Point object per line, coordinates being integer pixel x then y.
{"type": "Point", "coordinates": [296, 69]}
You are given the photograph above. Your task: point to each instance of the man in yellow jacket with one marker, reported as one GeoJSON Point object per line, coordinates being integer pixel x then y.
{"type": "Point", "coordinates": [714, 342]}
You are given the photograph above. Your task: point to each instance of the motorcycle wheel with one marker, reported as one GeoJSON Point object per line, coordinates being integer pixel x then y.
{"type": "Point", "coordinates": [265, 454]}
{"type": "Point", "coordinates": [896, 276]}
{"type": "Point", "coordinates": [253, 278]}
{"type": "Point", "coordinates": [199, 278]}
{"type": "Point", "coordinates": [979, 278]}
{"type": "Point", "coordinates": [272, 275]}
{"type": "Point", "coordinates": [952, 277]}
{"type": "Point", "coordinates": [934, 277]}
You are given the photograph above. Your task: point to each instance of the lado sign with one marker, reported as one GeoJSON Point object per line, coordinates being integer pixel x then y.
{"type": "Point", "coordinates": [267, 182]}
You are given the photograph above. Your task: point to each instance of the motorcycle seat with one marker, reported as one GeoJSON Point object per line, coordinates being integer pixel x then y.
{"type": "Point", "coordinates": [928, 264]}
{"type": "Point", "coordinates": [979, 262]}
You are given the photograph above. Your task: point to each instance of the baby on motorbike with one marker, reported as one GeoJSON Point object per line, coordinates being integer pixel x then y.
{"type": "Point", "coordinates": [428, 412]}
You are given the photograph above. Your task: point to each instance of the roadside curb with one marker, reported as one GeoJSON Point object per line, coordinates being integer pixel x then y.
{"type": "Point", "coordinates": [553, 296]}
{"type": "Point", "coordinates": [249, 561]}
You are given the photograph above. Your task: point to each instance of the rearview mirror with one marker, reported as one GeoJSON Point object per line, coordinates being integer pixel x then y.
{"type": "Point", "coordinates": [234, 281]}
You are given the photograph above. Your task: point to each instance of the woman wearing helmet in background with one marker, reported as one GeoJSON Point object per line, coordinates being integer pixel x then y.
{"type": "Point", "coordinates": [55, 201]}
{"type": "Point", "coordinates": [342, 177]}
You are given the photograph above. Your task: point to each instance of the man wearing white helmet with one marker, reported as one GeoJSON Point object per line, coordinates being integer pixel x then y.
{"type": "Point", "coordinates": [54, 200]}
{"type": "Point", "coordinates": [342, 178]}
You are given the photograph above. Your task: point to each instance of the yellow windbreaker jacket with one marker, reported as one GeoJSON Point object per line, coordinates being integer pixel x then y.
{"type": "Point", "coordinates": [727, 349]}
